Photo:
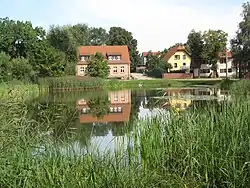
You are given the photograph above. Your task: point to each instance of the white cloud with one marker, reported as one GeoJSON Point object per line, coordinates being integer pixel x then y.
{"type": "Point", "coordinates": [155, 24]}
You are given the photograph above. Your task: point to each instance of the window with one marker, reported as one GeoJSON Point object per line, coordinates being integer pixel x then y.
{"type": "Point", "coordinates": [117, 57]}
{"type": "Point", "coordinates": [177, 57]}
{"type": "Point", "coordinates": [175, 65]}
{"type": "Point", "coordinates": [116, 98]}
{"type": "Point", "coordinates": [184, 64]}
{"type": "Point", "coordinates": [205, 71]}
{"type": "Point", "coordinates": [82, 69]}
{"type": "Point", "coordinates": [123, 97]}
{"type": "Point", "coordinates": [84, 58]}
{"type": "Point", "coordinates": [223, 70]}
{"type": "Point", "coordinates": [114, 69]}
{"type": "Point", "coordinates": [230, 70]}
{"type": "Point", "coordinates": [222, 60]}
{"type": "Point", "coordinates": [110, 57]}
{"type": "Point", "coordinates": [122, 69]}
{"type": "Point", "coordinates": [184, 57]}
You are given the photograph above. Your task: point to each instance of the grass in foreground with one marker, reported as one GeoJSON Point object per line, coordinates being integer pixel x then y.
{"type": "Point", "coordinates": [206, 147]}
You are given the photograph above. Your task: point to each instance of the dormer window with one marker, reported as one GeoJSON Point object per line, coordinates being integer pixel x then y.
{"type": "Point", "coordinates": [114, 57]}
{"type": "Point", "coordinates": [84, 57]}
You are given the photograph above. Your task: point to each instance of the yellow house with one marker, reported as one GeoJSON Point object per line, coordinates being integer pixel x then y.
{"type": "Point", "coordinates": [179, 58]}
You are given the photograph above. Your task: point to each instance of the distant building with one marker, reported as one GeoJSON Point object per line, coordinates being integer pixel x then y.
{"type": "Point", "coordinates": [119, 109]}
{"type": "Point", "coordinates": [205, 70]}
{"type": "Point", "coordinates": [179, 58]}
{"type": "Point", "coordinates": [144, 56]}
{"type": "Point", "coordinates": [117, 56]}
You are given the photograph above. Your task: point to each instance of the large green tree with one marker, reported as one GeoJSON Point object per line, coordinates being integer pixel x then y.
{"type": "Point", "coordinates": [68, 37]}
{"type": "Point", "coordinates": [98, 66]}
{"type": "Point", "coordinates": [215, 42]}
{"type": "Point", "coordinates": [195, 44]}
{"type": "Point", "coordinates": [241, 43]}
{"type": "Point", "coordinates": [18, 38]}
{"type": "Point", "coordinates": [120, 36]}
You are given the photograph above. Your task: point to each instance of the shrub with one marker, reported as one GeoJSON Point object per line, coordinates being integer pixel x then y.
{"type": "Point", "coordinates": [156, 73]}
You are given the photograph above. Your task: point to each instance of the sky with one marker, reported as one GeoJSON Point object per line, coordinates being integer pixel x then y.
{"type": "Point", "coordinates": [156, 24]}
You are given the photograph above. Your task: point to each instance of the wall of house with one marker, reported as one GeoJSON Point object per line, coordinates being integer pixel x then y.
{"type": "Point", "coordinates": [177, 75]}
{"type": "Point", "coordinates": [220, 70]}
{"type": "Point", "coordinates": [180, 62]}
{"type": "Point", "coordinates": [113, 74]}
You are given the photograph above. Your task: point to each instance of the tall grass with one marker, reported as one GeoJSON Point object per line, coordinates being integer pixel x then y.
{"type": "Point", "coordinates": [241, 87]}
{"type": "Point", "coordinates": [202, 147]}
{"type": "Point", "coordinates": [71, 83]}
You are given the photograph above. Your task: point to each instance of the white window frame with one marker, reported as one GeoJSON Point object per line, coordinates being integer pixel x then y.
{"type": "Point", "coordinates": [122, 69]}
{"type": "Point", "coordinates": [115, 70]}
{"type": "Point", "coordinates": [82, 69]}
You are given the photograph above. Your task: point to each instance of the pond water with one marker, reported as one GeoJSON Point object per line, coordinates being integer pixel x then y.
{"type": "Point", "coordinates": [101, 119]}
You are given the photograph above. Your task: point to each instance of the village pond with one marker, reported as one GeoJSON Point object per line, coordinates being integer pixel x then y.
{"type": "Point", "coordinates": [102, 120]}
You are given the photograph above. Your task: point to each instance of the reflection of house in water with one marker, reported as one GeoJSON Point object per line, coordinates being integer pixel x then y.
{"type": "Point", "coordinates": [119, 108]}
{"type": "Point", "coordinates": [181, 98]}
{"type": "Point", "coordinates": [174, 102]}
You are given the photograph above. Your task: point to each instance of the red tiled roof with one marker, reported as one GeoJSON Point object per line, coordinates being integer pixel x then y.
{"type": "Point", "coordinates": [172, 51]}
{"type": "Point", "coordinates": [107, 50]}
{"type": "Point", "coordinates": [229, 54]}
{"type": "Point", "coordinates": [145, 54]}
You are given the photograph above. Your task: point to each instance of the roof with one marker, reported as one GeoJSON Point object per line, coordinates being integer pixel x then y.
{"type": "Point", "coordinates": [172, 51]}
{"type": "Point", "coordinates": [229, 54]}
{"type": "Point", "coordinates": [107, 50]}
{"type": "Point", "coordinates": [145, 54]}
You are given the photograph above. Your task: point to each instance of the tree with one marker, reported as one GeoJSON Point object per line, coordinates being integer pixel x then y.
{"type": "Point", "coordinates": [19, 38]}
{"type": "Point", "coordinates": [98, 36]}
{"type": "Point", "coordinates": [63, 39]}
{"type": "Point", "coordinates": [5, 67]}
{"type": "Point", "coordinates": [99, 106]}
{"type": "Point", "coordinates": [120, 36]}
{"type": "Point", "coordinates": [47, 61]}
{"type": "Point", "coordinates": [196, 46]}
{"type": "Point", "coordinates": [215, 42]}
{"type": "Point", "coordinates": [241, 43]}
{"type": "Point", "coordinates": [98, 66]}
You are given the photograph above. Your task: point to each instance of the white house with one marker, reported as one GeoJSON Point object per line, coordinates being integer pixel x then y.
{"type": "Point", "coordinates": [205, 70]}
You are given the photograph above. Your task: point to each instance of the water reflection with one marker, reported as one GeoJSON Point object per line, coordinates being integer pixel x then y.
{"type": "Point", "coordinates": [103, 118]}
{"type": "Point", "coordinates": [115, 107]}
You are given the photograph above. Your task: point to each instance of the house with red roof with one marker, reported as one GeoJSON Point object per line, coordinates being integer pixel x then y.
{"type": "Point", "coordinates": [117, 57]}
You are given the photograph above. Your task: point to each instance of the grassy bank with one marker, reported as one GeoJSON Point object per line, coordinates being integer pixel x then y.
{"type": "Point", "coordinates": [18, 91]}
{"type": "Point", "coordinates": [83, 83]}
{"type": "Point", "coordinates": [202, 147]}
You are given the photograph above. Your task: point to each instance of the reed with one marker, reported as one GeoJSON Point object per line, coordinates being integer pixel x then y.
{"type": "Point", "coordinates": [71, 83]}
{"type": "Point", "coordinates": [201, 147]}
{"type": "Point", "coordinates": [241, 87]}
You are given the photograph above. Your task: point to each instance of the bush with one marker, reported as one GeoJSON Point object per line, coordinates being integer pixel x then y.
{"type": "Point", "coordinates": [156, 73]}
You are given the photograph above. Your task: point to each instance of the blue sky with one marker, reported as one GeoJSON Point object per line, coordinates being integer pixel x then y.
{"type": "Point", "coordinates": [156, 24]}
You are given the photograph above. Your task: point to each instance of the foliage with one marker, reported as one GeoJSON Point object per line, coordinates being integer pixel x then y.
{"type": "Point", "coordinates": [97, 66]}
{"type": "Point", "coordinates": [196, 44]}
{"type": "Point", "coordinates": [206, 146]}
{"type": "Point", "coordinates": [99, 106]}
{"type": "Point", "coordinates": [156, 72]}
{"type": "Point", "coordinates": [215, 42]}
{"type": "Point", "coordinates": [241, 87]}
{"type": "Point", "coordinates": [5, 67]}
{"type": "Point", "coordinates": [120, 36]}
{"type": "Point", "coordinates": [16, 69]}
{"type": "Point", "coordinates": [70, 83]}
{"type": "Point", "coordinates": [241, 43]}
